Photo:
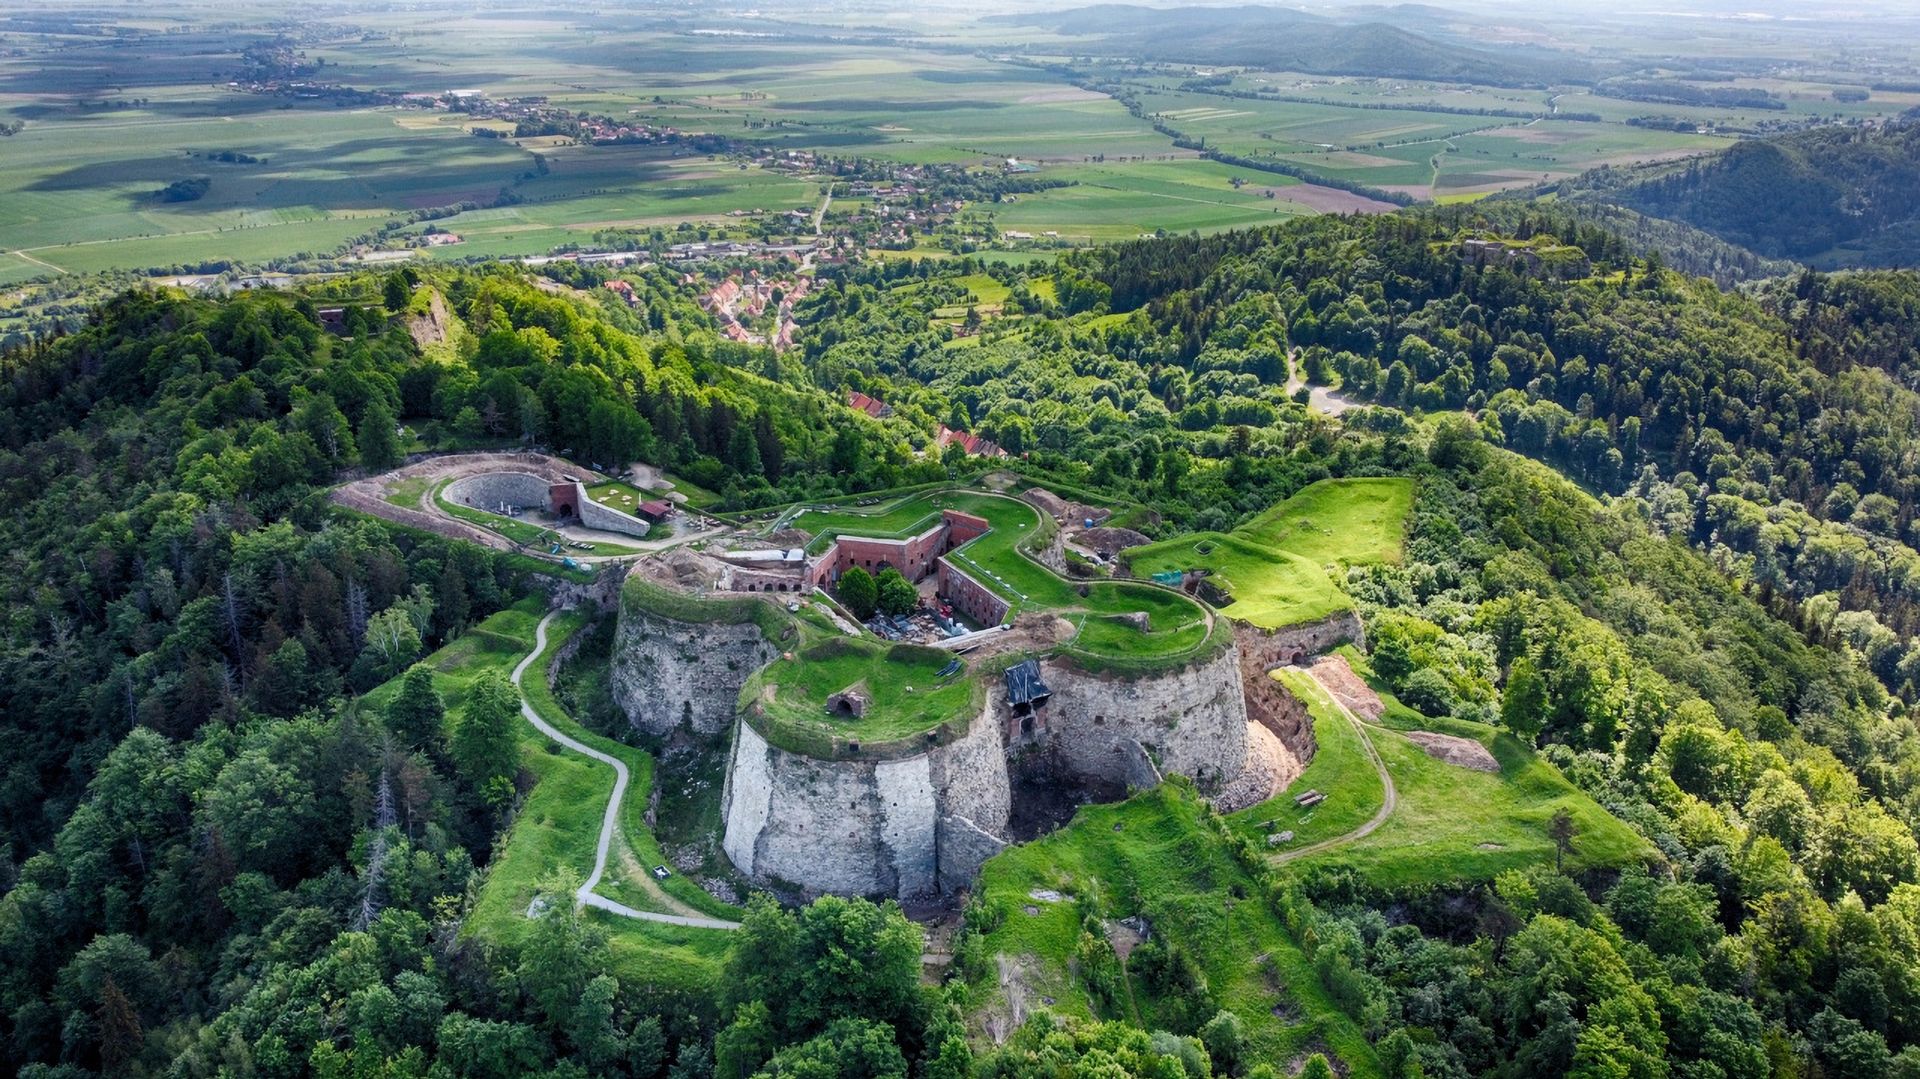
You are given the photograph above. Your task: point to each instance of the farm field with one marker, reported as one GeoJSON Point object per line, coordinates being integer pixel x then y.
{"type": "Point", "coordinates": [1353, 133]}
{"type": "Point", "coordinates": [105, 132]}
{"type": "Point", "coordinates": [1121, 201]}
{"type": "Point", "coordinates": [81, 188]}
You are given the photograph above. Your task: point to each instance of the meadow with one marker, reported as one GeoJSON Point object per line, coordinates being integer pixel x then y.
{"type": "Point", "coordinates": [1279, 567]}
{"type": "Point", "coordinates": [1157, 857]}
{"type": "Point", "coordinates": [1450, 823]}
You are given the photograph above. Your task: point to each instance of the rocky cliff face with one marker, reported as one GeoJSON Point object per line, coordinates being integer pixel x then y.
{"type": "Point", "coordinates": [666, 673]}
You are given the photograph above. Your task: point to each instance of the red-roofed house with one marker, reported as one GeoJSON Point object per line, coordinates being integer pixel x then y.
{"type": "Point", "coordinates": [872, 406]}
{"type": "Point", "coordinates": [655, 510]}
{"type": "Point", "coordinates": [972, 443]}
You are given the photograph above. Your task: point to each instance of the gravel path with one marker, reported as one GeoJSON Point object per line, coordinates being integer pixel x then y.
{"type": "Point", "coordinates": [611, 819]}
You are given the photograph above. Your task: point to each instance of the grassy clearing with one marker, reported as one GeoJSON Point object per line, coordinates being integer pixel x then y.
{"type": "Point", "coordinates": [1270, 587]}
{"type": "Point", "coordinates": [1278, 567]}
{"type": "Point", "coordinates": [1351, 521]}
{"type": "Point", "coordinates": [1339, 767]}
{"type": "Point", "coordinates": [1156, 856]}
{"type": "Point", "coordinates": [1451, 823]}
{"type": "Point", "coordinates": [408, 492]}
{"type": "Point", "coordinates": [559, 820]}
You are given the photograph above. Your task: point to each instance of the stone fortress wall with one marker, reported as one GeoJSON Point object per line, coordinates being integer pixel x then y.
{"type": "Point", "coordinates": [922, 824]}
{"type": "Point", "coordinates": [490, 490]}
{"type": "Point", "coordinates": [667, 673]}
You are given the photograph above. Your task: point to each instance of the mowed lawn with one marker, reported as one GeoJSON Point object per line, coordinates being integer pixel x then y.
{"type": "Point", "coordinates": [1279, 567]}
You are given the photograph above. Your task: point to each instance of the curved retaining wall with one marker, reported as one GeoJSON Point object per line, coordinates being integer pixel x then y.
{"type": "Point", "coordinates": [915, 826]}
{"type": "Point", "coordinates": [1192, 721]}
{"type": "Point", "coordinates": [489, 489]}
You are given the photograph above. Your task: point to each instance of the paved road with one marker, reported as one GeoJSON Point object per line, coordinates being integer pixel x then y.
{"type": "Point", "coordinates": [1390, 800]}
{"type": "Point", "coordinates": [611, 819]}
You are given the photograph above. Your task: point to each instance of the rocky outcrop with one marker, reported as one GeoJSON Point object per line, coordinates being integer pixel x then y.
{"type": "Point", "coordinates": [667, 673]}
{"type": "Point", "coordinates": [915, 826]}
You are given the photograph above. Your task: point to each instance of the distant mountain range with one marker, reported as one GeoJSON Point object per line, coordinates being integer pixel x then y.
{"type": "Point", "coordinates": [1280, 39]}
{"type": "Point", "coordinates": [1830, 197]}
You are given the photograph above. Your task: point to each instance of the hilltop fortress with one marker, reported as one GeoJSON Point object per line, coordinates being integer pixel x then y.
{"type": "Point", "coordinates": [863, 767]}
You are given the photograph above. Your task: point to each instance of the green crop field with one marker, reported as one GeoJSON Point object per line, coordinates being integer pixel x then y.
{"type": "Point", "coordinates": [1157, 857]}
{"type": "Point", "coordinates": [1340, 769]}
{"type": "Point", "coordinates": [105, 133]}
{"type": "Point", "coordinates": [1121, 201]}
{"type": "Point", "coordinates": [1278, 566]}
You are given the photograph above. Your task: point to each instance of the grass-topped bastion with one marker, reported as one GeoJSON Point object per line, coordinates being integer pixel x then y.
{"type": "Point", "coordinates": [841, 696]}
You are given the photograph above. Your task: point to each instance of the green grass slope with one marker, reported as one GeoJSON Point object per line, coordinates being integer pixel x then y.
{"type": "Point", "coordinates": [1451, 824]}
{"type": "Point", "coordinates": [558, 824]}
{"type": "Point", "coordinates": [1279, 566]}
{"type": "Point", "coordinates": [1157, 856]}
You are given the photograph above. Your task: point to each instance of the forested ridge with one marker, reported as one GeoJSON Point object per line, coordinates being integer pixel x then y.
{"type": "Point", "coordinates": [1709, 633]}
{"type": "Point", "coordinates": [1836, 195]}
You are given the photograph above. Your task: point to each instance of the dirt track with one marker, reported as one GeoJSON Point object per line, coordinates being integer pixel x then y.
{"type": "Point", "coordinates": [1388, 803]}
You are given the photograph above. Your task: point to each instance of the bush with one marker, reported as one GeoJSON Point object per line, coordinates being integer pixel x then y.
{"type": "Point", "coordinates": [1427, 691]}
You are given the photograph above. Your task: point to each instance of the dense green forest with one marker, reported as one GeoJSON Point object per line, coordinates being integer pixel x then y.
{"type": "Point", "coordinates": [1663, 532]}
{"type": "Point", "coordinates": [1835, 195]}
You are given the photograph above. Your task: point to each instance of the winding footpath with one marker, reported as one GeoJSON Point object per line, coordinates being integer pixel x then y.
{"type": "Point", "coordinates": [611, 819]}
{"type": "Point", "coordinates": [1389, 800]}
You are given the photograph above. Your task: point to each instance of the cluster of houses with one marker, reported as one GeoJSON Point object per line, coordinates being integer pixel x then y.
{"type": "Point", "coordinates": [736, 299]}
{"type": "Point", "coordinates": [944, 436]}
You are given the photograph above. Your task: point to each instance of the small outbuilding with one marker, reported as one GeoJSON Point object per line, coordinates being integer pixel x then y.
{"type": "Point", "coordinates": [850, 703]}
{"type": "Point", "coordinates": [1025, 690]}
{"type": "Point", "coordinates": [655, 510]}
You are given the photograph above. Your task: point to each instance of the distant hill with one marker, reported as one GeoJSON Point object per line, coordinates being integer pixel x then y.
{"type": "Point", "coordinates": [1278, 38]}
{"type": "Point", "coordinates": [1833, 196]}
